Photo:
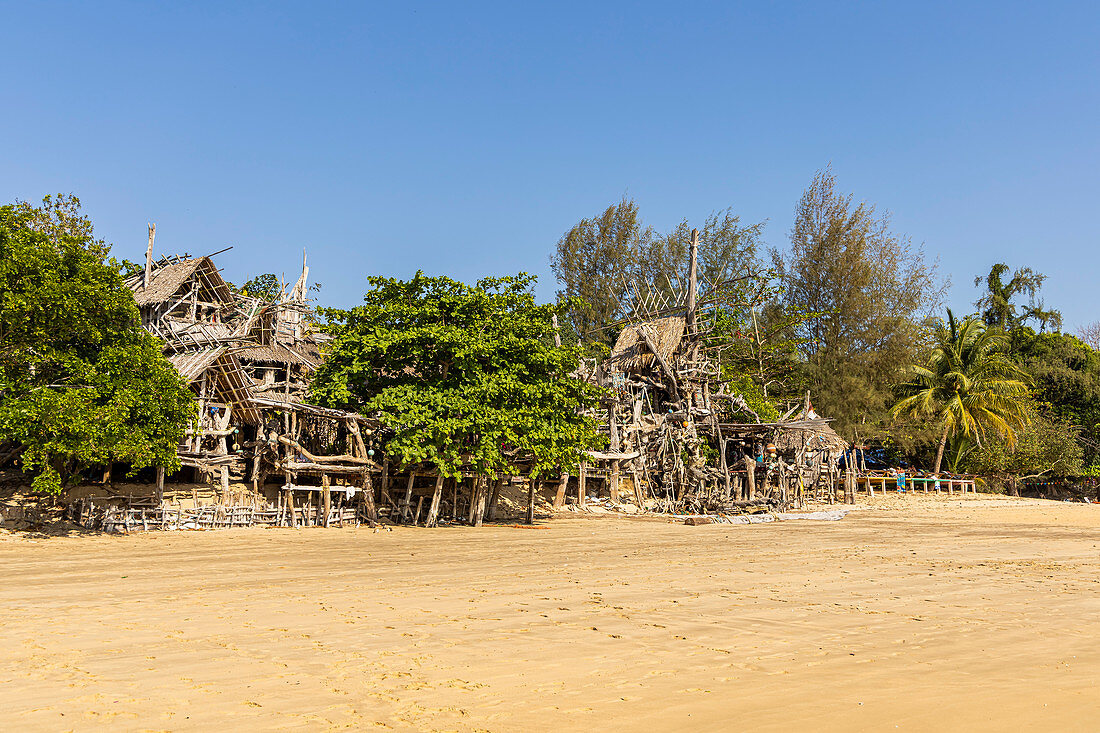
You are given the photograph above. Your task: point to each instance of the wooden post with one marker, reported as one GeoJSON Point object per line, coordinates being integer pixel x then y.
{"type": "Point", "coordinates": [368, 496]}
{"type": "Point", "coordinates": [149, 257]}
{"type": "Point", "coordinates": [531, 500]}
{"type": "Point", "coordinates": [225, 482]}
{"type": "Point", "coordinates": [725, 469]}
{"type": "Point", "coordinates": [781, 479]}
{"type": "Point", "coordinates": [580, 485]}
{"type": "Point", "coordinates": [290, 505]}
{"type": "Point", "coordinates": [405, 505]}
{"type": "Point", "coordinates": [693, 283]}
{"type": "Point", "coordinates": [326, 496]}
{"type": "Point", "coordinates": [384, 489]}
{"type": "Point", "coordinates": [559, 498]}
{"type": "Point", "coordinates": [750, 476]}
{"type": "Point", "coordinates": [613, 419]}
{"type": "Point", "coordinates": [437, 497]}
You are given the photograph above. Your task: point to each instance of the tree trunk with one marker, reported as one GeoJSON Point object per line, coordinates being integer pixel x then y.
{"type": "Point", "coordinates": [939, 452]}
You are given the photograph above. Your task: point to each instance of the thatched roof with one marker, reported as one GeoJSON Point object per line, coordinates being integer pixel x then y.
{"type": "Point", "coordinates": [281, 354]}
{"type": "Point", "coordinates": [191, 364]}
{"type": "Point", "coordinates": [229, 378]}
{"type": "Point", "coordinates": [790, 439]}
{"type": "Point", "coordinates": [166, 281]}
{"type": "Point", "coordinates": [631, 352]}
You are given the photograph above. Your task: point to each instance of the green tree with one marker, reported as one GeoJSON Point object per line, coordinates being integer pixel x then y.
{"type": "Point", "coordinates": [617, 267]}
{"type": "Point", "coordinates": [996, 304]}
{"type": "Point", "coordinates": [594, 262]}
{"type": "Point", "coordinates": [970, 385]}
{"type": "Point", "coordinates": [466, 377]}
{"type": "Point", "coordinates": [866, 291]}
{"type": "Point", "coordinates": [81, 383]}
{"type": "Point", "coordinates": [728, 260]}
{"type": "Point", "coordinates": [1066, 375]}
{"type": "Point", "coordinates": [1048, 446]}
{"type": "Point", "coordinates": [264, 287]}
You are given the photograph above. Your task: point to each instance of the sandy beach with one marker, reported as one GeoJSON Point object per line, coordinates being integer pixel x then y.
{"type": "Point", "coordinates": [914, 613]}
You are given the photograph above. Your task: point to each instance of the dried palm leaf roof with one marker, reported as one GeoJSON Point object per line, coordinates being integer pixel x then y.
{"type": "Point", "coordinates": [631, 352]}
{"type": "Point", "coordinates": [229, 376]}
{"type": "Point", "coordinates": [166, 281]}
{"type": "Point", "coordinates": [795, 437]}
{"type": "Point", "coordinates": [299, 354]}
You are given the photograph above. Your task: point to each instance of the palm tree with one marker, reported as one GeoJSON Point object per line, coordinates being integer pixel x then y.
{"type": "Point", "coordinates": [969, 384]}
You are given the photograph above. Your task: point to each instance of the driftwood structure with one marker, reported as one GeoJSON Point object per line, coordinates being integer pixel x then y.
{"type": "Point", "coordinates": [276, 458]}
{"type": "Point", "coordinates": [679, 440]}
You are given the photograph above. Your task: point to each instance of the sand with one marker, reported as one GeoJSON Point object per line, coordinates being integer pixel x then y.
{"type": "Point", "coordinates": [915, 614]}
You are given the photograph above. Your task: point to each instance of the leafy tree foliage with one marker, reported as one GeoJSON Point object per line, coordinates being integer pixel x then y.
{"type": "Point", "coordinates": [81, 383]}
{"type": "Point", "coordinates": [970, 384]}
{"type": "Point", "coordinates": [866, 292]}
{"type": "Point", "coordinates": [466, 377]}
{"type": "Point", "coordinates": [612, 263]}
{"type": "Point", "coordinates": [618, 266]}
{"type": "Point", "coordinates": [996, 304]}
{"type": "Point", "coordinates": [1066, 374]}
{"type": "Point", "coordinates": [1048, 446]}
{"type": "Point", "coordinates": [264, 287]}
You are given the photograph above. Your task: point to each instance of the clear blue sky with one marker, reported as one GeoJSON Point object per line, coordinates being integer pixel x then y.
{"type": "Point", "coordinates": [463, 139]}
